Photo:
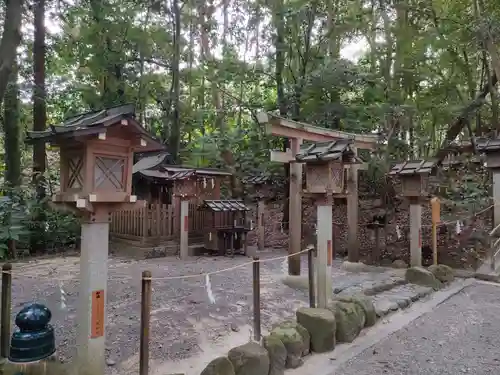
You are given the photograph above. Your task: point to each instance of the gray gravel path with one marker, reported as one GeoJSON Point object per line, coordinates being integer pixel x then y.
{"type": "Point", "coordinates": [461, 336]}
{"type": "Point", "coordinates": [184, 323]}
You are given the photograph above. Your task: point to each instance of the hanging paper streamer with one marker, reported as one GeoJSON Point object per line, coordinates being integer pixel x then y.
{"type": "Point", "coordinates": [210, 294]}
{"type": "Point", "coordinates": [204, 183]}
{"type": "Point", "coordinates": [213, 182]}
{"type": "Point", "coordinates": [235, 236]}
{"type": "Point", "coordinates": [281, 228]}
{"type": "Point", "coordinates": [63, 296]}
{"type": "Point", "coordinates": [458, 228]}
{"type": "Point", "coordinates": [398, 232]}
{"type": "Point", "coordinates": [251, 224]}
{"type": "Point", "coordinates": [210, 236]}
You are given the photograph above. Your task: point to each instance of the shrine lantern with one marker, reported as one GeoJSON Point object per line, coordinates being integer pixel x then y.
{"type": "Point", "coordinates": [325, 165]}
{"type": "Point", "coordinates": [414, 177]}
{"type": "Point", "coordinates": [96, 155]}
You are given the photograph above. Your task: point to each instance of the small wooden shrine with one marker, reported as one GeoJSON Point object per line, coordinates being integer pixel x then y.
{"type": "Point", "coordinates": [226, 226]}
{"type": "Point", "coordinates": [158, 182]}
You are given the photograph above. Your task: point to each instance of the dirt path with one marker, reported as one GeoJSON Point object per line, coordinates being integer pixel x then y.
{"type": "Point", "coordinates": [184, 324]}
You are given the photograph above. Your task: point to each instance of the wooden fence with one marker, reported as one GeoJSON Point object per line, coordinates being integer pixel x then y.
{"type": "Point", "coordinates": [155, 222]}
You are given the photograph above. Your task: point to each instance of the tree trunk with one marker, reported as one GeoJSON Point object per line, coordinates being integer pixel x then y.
{"type": "Point", "coordinates": [11, 37]}
{"type": "Point", "coordinates": [175, 130]}
{"type": "Point", "coordinates": [39, 118]}
{"type": "Point", "coordinates": [12, 131]}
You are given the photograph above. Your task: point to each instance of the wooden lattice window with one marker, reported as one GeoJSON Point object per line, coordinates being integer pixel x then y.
{"type": "Point", "coordinates": [109, 173]}
{"type": "Point", "coordinates": [337, 171]}
{"type": "Point", "coordinates": [75, 169]}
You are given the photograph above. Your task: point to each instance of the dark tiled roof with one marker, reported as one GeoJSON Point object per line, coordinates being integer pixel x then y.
{"type": "Point", "coordinates": [327, 151]}
{"type": "Point", "coordinates": [150, 161]}
{"type": "Point", "coordinates": [224, 205]}
{"type": "Point", "coordinates": [257, 180]}
{"type": "Point", "coordinates": [91, 123]}
{"type": "Point", "coordinates": [487, 144]}
{"type": "Point", "coordinates": [181, 175]}
{"type": "Point", "coordinates": [413, 167]}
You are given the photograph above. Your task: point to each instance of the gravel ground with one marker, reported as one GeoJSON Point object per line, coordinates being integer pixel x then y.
{"type": "Point", "coordinates": [461, 336]}
{"type": "Point", "coordinates": [184, 323]}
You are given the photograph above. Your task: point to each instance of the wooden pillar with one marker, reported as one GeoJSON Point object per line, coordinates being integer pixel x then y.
{"type": "Point", "coordinates": [324, 248]}
{"type": "Point", "coordinates": [352, 214]}
{"type": "Point", "coordinates": [176, 202]}
{"type": "Point", "coordinates": [184, 226]}
{"type": "Point", "coordinates": [295, 211]}
{"type": "Point", "coordinates": [261, 208]}
{"type": "Point", "coordinates": [496, 196]}
{"type": "Point", "coordinates": [415, 233]}
{"type": "Point", "coordinates": [93, 293]}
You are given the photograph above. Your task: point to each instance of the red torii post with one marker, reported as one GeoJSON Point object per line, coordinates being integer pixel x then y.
{"type": "Point", "coordinates": [297, 132]}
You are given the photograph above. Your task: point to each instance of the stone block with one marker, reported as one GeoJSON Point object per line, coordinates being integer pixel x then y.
{"type": "Point", "coordinates": [349, 318]}
{"type": "Point", "coordinates": [442, 272]}
{"type": "Point", "coordinates": [277, 354]}
{"type": "Point", "coordinates": [366, 304]}
{"type": "Point", "coordinates": [293, 342]}
{"type": "Point", "coordinates": [304, 333]}
{"type": "Point", "coordinates": [249, 359]}
{"type": "Point", "coordinates": [320, 323]}
{"type": "Point", "coordinates": [219, 366]}
{"type": "Point", "coordinates": [422, 276]}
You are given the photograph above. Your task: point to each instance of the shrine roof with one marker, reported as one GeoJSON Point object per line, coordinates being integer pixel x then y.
{"type": "Point", "coordinates": [92, 123]}
{"type": "Point", "coordinates": [257, 180]}
{"type": "Point", "coordinates": [158, 170]}
{"type": "Point", "coordinates": [487, 144]}
{"type": "Point", "coordinates": [408, 168]}
{"type": "Point", "coordinates": [328, 151]}
{"type": "Point", "coordinates": [227, 205]}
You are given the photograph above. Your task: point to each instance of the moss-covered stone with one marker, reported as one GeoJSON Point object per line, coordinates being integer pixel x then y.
{"type": "Point", "coordinates": [366, 304]}
{"type": "Point", "coordinates": [304, 333]}
{"type": "Point", "coordinates": [349, 318]}
{"type": "Point", "coordinates": [442, 272]}
{"type": "Point", "coordinates": [219, 366]}
{"type": "Point", "coordinates": [249, 359]}
{"type": "Point", "coordinates": [293, 342]}
{"type": "Point", "coordinates": [320, 323]}
{"type": "Point", "coordinates": [277, 354]}
{"type": "Point", "coordinates": [422, 276]}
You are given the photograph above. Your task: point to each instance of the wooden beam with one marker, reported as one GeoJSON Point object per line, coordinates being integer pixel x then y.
{"type": "Point", "coordinates": [287, 157]}
{"type": "Point", "coordinates": [283, 127]}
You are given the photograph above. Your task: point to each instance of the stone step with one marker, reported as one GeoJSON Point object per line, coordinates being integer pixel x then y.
{"type": "Point", "coordinates": [399, 297]}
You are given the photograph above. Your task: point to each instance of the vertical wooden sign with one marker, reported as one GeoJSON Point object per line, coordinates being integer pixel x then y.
{"type": "Point", "coordinates": [186, 223]}
{"type": "Point", "coordinates": [97, 319]}
{"type": "Point", "coordinates": [330, 251]}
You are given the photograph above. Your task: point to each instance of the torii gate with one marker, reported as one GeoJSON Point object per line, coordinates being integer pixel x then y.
{"type": "Point", "coordinates": [297, 132]}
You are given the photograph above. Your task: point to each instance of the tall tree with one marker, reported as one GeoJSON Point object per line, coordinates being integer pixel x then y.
{"type": "Point", "coordinates": [12, 131]}
{"type": "Point", "coordinates": [11, 37]}
{"type": "Point", "coordinates": [39, 113]}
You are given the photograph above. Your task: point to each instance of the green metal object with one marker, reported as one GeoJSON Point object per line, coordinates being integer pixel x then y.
{"type": "Point", "coordinates": [34, 340]}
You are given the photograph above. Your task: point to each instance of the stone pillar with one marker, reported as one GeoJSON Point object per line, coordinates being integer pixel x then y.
{"type": "Point", "coordinates": [496, 196]}
{"type": "Point", "coordinates": [415, 233]}
{"type": "Point", "coordinates": [91, 331]}
{"type": "Point", "coordinates": [183, 236]}
{"type": "Point", "coordinates": [261, 208]}
{"type": "Point", "coordinates": [324, 248]}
